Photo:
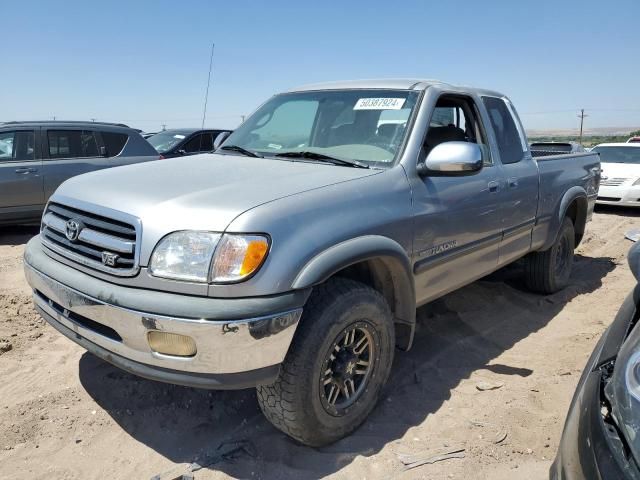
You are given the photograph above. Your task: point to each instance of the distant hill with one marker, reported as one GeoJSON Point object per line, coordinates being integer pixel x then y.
{"type": "Point", "coordinates": [588, 132]}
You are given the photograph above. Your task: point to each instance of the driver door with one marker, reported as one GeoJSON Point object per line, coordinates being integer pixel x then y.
{"type": "Point", "coordinates": [457, 222]}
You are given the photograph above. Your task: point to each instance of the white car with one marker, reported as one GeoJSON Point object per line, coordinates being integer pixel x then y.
{"type": "Point", "coordinates": [620, 182]}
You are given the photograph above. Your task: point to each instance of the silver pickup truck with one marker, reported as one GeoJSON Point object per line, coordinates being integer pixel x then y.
{"type": "Point", "coordinates": [294, 258]}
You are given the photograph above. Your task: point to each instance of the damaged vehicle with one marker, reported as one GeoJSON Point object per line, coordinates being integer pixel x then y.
{"type": "Point", "coordinates": [294, 257]}
{"type": "Point", "coordinates": [601, 437]}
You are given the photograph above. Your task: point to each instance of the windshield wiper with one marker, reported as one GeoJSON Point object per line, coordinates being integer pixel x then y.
{"type": "Point", "coordinates": [243, 151]}
{"type": "Point", "coordinates": [323, 158]}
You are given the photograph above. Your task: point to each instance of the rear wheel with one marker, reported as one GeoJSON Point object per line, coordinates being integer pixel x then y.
{"type": "Point", "coordinates": [336, 367]}
{"type": "Point", "coordinates": [549, 271]}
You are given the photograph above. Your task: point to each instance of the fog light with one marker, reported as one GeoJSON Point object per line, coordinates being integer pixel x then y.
{"type": "Point", "coordinates": [171, 344]}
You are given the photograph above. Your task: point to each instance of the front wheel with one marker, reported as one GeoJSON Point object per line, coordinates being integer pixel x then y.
{"type": "Point", "coordinates": [549, 271]}
{"type": "Point", "coordinates": [336, 367]}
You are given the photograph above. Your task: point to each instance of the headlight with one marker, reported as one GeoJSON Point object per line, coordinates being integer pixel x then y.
{"type": "Point", "coordinates": [237, 257]}
{"type": "Point", "coordinates": [208, 256]}
{"type": "Point", "coordinates": [184, 256]}
{"type": "Point", "coordinates": [623, 391]}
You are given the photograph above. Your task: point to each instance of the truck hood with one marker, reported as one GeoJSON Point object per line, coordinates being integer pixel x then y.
{"type": "Point", "coordinates": [200, 192]}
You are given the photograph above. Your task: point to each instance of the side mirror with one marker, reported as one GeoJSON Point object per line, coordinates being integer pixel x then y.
{"type": "Point", "coordinates": [452, 159]}
{"type": "Point", "coordinates": [220, 139]}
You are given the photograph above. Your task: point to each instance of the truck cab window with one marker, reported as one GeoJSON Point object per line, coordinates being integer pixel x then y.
{"type": "Point", "coordinates": [507, 134]}
{"type": "Point", "coordinates": [456, 119]}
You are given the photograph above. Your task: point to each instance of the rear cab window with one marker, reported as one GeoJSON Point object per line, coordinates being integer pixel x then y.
{"type": "Point", "coordinates": [511, 140]}
{"type": "Point", "coordinates": [17, 146]}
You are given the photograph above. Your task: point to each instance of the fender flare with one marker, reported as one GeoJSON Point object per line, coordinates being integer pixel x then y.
{"type": "Point", "coordinates": [571, 195]}
{"type": "Point", "coordinates": [370, 247]}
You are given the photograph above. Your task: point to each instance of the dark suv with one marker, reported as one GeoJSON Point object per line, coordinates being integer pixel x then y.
{"type": "Point", "coordinates": [184, 141]}
{"type": "Point", "coordinates": [36, 157]}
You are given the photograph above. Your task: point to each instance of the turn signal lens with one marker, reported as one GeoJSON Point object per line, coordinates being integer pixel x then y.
{"type": "Point", "coordinates": [171, 344]}
{"type": "Point", "coordinates": [256, 251]}
{"type": "Point", "coordinates": [238, 256]}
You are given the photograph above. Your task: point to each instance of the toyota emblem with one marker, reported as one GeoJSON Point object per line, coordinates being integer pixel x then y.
{"type": "Point", "coordinates": [72, 229]}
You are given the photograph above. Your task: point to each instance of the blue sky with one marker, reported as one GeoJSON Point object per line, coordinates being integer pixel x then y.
{"type": "Point", "coordinates": [145, 63]}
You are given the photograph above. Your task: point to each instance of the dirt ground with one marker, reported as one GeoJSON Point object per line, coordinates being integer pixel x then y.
{"type": "Point", "coordinates": [66, 414]}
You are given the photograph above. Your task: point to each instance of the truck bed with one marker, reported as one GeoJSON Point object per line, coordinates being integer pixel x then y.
{"type": "Point", "coordinates": [558, 175]}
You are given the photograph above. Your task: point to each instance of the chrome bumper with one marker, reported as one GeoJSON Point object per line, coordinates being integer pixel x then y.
{"type": "Point", "coordinates": [223, 347]}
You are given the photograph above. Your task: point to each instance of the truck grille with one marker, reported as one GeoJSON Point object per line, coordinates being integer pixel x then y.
{"type": "Point", "coordinates": [93, 240]}
{"type": "Point", "coordinates": [613, 182]}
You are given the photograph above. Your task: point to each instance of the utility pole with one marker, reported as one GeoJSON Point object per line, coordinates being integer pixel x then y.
{"type": "Point", "coordinates": [206, 95]}
{"type": "Point", "coordinates": [242, 117]}
{"type": "Point", "coordinates": [581, 116]}
{"type": "Point", "coordinates": [54, 118]}
{"type": "Point", "coordinates": [92, 119]}
{"type": "Point", "coordinates": [164, 126]}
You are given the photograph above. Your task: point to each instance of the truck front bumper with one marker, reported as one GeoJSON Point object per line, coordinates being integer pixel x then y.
{"type": "Point", "coordinates": [235, 346]}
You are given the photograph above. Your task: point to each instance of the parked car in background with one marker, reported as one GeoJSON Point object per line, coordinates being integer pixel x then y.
{"type": "Point", "coordinates": [634, 140]}
{"type": "Point", "coordinates": [184, 141]}
{"type": "Point", "coordinates": [304, 245]}
{"type": "Point", "coordinates": [36, 157]}
{"type": "Point", "coordinates": [601, 437]}
{"type": "Point", "coordinates": [542, 149]}
{"type": "Point", "coordinates": [620, 183]}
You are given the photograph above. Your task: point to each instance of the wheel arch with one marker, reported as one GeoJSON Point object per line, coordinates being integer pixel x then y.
{"type": "Point", "coordinates": [575, 206]}
{"type": "Point", "coordinates": [378, 262]}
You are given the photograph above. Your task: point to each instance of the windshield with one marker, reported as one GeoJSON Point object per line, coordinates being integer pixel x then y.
{"type": "Point", "coordinates": [618, 154]}
{"type": "Point", "coordinates": [165, 141]}
{"type": "Point", "coordinates": [367, 126]}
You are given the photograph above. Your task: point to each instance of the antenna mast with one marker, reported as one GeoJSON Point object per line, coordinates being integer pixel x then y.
{"type": "Point", "coordinates": [206, 95]}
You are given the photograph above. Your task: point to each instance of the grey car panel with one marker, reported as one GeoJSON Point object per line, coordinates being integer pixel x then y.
{"type": "Point", "coordinates": [25, 186]}
{"type": "Point", "coordinates": [199, 192]}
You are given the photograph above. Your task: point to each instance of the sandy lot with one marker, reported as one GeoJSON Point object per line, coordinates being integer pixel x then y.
{"type": "Point", "coordinates": [66, 414]}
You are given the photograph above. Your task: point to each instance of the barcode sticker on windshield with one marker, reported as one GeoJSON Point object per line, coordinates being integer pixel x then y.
{"type": "Point", "coordinates": [379, 104]}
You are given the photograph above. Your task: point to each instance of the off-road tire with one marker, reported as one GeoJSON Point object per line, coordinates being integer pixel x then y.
{"type": "Point", "coordinates": [549, 271]}
{"type": "Point", "coordinates": [293, 403]}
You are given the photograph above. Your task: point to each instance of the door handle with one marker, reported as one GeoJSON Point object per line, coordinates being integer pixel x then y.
{"type": "Point", "coordinates": [26, 170]}
{"type": "Point", "coordinates": [512, 182]}
{"type": "Point", "coordinates": [493, 186]}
